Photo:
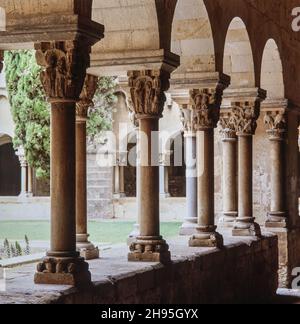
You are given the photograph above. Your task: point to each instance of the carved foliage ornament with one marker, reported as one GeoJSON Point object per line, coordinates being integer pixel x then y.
{"type": "Point", "coordinates": [87, 94]}
{"type": "Point", "coordinates": [227, 126]}
{"type": "Point", "coordinates": [205, 107]}
{"type": "Point", "coordinates": [276, 123]}
{"type": "Point", "coordinates": [65, 65]}
{"type": "Point", "coordinates": [147, 92]}
{"type": "Point", "coordinates": [186, 119]}
{"type": "Point", "coordinates": [244, 117]}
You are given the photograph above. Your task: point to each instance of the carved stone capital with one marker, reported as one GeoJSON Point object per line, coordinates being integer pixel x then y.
{"type": "Point", "coordinates": [86, 98]}
{"type": "Point", "coordinates": [227, 131]}
{"type": "Point", "coordinates": [164, 158]}
{"type": "Point", "coordinates": [206, 104]}
{"type": "Point", "coordinates": [122, 159]}
{"type": "Point", "coordinates": [22, 157]}
{"type": "Point", "coordinates": [147, 90]}
{"type": "Point", "coordinates": [64, 68]}
{"type": "Point", "coordinates": [244, 117]}
{"type": "Point", "coordinates": [188, 122]}
{"type": "Point", "coordinates": [276, 123]}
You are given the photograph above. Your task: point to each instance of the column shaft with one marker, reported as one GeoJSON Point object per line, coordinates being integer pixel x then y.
{"type": "Point", "coordinates": [81, 179]}
{"type": "Point", "coordinates": [277, 217]}
{"type": "Point", "coordinates": [117, 181]}
{"type": "Point", "coordinates": [205, 157]}
{"type": "Point", "coordinates": [149, 222]}
{"type": "Point", "coordinates": [206, 235]}
{"type": "Point", "coordinates": [122, 181]}
{"type": "Point", "coordinates": [190, 221]}
{"type": "Point", "coordinates": [277, 179]}
{"type": "Point", "coordinates": [63, 230]}
{"type": "Point", "coordinates": [245, 223]}
{"type": "Point", "coordinates": [229, 182]}
{"type": "Point", "coordinates": [245, 177]}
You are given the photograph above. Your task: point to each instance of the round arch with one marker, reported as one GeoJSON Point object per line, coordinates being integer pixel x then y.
{"type": "Point", "coordinates": [192, 37]}
{"type": "Point", "coordinates": [238, 60]}
{"type": "Point", "coordinates": [272, 71]}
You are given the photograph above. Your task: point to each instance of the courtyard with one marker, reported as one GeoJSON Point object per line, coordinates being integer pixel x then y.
{"type": "Point", "coordinates": [149, 152]}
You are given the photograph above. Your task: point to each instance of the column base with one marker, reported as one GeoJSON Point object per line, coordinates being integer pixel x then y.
{"type": "Point", "coordinates": [276, 220]}
{"type": "Point", "coordinates": [165, 195]}
{"type": "Point", "coordinates": [87, 250]}
{"type": "Point", "coordinates": [189, 227]}
{"type": "Point", "coordinates": [119, 196]}
{"type": "Point", "coordinates": [228, 219]}
{"type": "Point", "coordinates": [63, 271]}
{"type": "Point", "coordinates": [149, 249]}
{"type": "Point", "coordinates": [209, 240]}
{"type": "Point", "coordinates": [246, 227]}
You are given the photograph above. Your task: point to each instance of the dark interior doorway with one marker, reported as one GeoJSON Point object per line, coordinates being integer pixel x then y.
{"type": "Point", "coordinates": [10, 171]}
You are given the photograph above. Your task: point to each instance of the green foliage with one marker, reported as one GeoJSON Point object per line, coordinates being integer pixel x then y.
{"type": "Point", "coordinates": [19, 251]}
{"type": "Point", "coordinates": [10, 250]}
{"type": "Point", "coordinates": [100, 116]}
{"type": "Point", "coordinates": [30, 109]}
{"type": "Point", "coordinates": [7, 251]}
{"type": "Point", "coordinates": [31, 112]}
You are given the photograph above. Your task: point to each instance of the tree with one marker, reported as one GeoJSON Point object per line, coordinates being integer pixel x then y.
{"type": "Point", "coordinates": [30, 109]}
{"type": "Point", "coordinates": [100, 116]}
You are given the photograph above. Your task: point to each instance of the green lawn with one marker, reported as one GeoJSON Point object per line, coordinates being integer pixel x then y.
{"type": "Point", "coordinates": [101, 231]}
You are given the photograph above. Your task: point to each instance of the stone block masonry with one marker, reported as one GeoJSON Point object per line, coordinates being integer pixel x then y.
{"type": "Point", "coordinates": [243, 272]}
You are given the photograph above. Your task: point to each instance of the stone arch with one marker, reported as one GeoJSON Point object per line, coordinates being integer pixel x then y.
{"type": "Point", "coordinates": [238, 60]}
{"type": "Point", "coordinates": [192, 37]}
{"type": "Point", "coordinates": [272, 71]}
{"type": "Point", "coordinates": [134, 26]}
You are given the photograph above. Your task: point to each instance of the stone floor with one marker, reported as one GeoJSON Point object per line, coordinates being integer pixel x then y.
{"type": "Point", "coordinates": [112, 268]}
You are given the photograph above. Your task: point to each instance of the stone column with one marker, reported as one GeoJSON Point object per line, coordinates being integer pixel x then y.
{"type": "Point", "coordinates": [147, 91]}
{"type": "Point", "coordinates": [205, 115]}
{"type": "Point", "coordinates": [276, 123]}
{"type": "Point", "coordinates": [163, 177]}
{"type": "Point", "coordinates": [30, 182]}
{"type": "Point", "coordinates": [136, 228]}
{"type": "Point", "coordinates": [190, 221]}
{"type": "Point", "coordinates": [87, 250]}
{"type": "Point", "coordinates": [229, 139]}
{"type": "Point", "coordinates": [122, 181]}
{"type": "Point", "coordinates": [245, 115]}
{"type": "Point", "coordinates": [119, 180]}
{"type": "Point", "coordinates": [64, 70]}
{"type": "Point", "coordinates": [24, 166]}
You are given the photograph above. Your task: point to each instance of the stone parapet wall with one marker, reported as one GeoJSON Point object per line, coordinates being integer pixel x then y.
{"type": "Point", "coordinates": [248, 274]}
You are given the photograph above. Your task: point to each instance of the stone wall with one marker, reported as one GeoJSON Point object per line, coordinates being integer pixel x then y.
{"type": "Point", "coordinates": [99, 189]}
{"type": "Point", "coordinates": [249, 274]}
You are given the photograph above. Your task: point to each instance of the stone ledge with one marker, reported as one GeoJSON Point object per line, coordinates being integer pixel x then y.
{"type": "Point", "coordinates": [193, 277]}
